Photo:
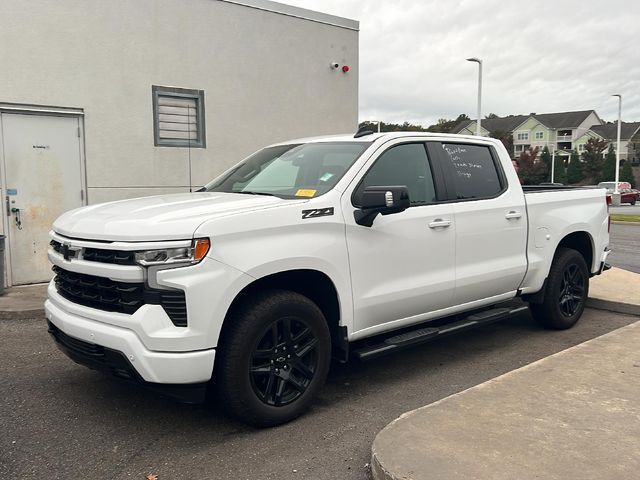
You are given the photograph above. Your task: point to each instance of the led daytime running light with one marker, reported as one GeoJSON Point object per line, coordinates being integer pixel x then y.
{"type": "Point", "coordinates": [178, 256]}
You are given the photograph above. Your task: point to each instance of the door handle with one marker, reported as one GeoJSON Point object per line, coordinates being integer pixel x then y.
{"type": "Point", "coordinates": [513, 214]}
{"type": "Point", "coordinates": [440, 223]}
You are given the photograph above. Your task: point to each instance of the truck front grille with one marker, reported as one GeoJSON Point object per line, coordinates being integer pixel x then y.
{"type": "Point", "coordinates": [111, 296]}
{"type": "Point", "coordinates": [102, 255]}
{"type": "Point", "coordinates": [109, 256]}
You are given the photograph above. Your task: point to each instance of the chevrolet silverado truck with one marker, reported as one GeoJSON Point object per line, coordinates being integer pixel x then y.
{"type": "Point", "coordinates": [316, 249]}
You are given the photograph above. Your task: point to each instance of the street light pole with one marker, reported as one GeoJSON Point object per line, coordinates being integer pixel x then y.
{"type": "Point", "coordinates": [615, 198]}
{"type": "Point", "coordinates": [478, 123]}
{"type": "Point", "coordinates": [615, 189]}
{"type": "Point", "coordinates": [553, 162]}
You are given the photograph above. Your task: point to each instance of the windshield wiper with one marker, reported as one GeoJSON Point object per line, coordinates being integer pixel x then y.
{"type": "Point", "coordinates": [248, 192]}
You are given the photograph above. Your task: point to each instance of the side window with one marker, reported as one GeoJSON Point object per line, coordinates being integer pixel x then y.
{"type": "Point", "coordinates": [474, 172]}
{"type": "Point", "coordinates": [406, 165]}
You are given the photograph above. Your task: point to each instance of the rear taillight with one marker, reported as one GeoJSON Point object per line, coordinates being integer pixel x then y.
{"type": "Point", "coordinates": [608, 216]}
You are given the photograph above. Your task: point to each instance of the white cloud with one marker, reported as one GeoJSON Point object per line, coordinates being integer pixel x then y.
{"type": "Point", "coordinates": [546, 56]}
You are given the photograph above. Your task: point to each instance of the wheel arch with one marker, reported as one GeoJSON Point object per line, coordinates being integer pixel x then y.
{"type": "Point", "coordinates": [313, 284]}
{"type": "Point", "coordinates": [582, 242]}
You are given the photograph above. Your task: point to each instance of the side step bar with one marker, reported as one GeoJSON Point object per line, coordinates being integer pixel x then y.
{"type": "Point", "coordinates": [425, 334]}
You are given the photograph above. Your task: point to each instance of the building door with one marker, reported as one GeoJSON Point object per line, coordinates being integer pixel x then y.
{"type": "Point", "coordinates": [43, 177]}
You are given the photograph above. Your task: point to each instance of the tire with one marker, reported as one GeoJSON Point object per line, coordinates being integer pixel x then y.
{"type": "Point", "coordinates": [273, 358]}
{"type": "Point", "coordinates": [565, 293]}
{"type": "Point", "coordinates": [633, 202]}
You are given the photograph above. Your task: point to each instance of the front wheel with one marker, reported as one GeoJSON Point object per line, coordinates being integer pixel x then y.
{"type": "Point", "coordinates": [566, 291]}
{"type": "Point", "coordinates": [274, 356]}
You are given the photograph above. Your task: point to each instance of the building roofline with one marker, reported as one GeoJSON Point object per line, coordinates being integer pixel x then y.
{"type": "Point", "coordinates": [297, 12]}
{"type": "Point", "coordinates": [526, 120]}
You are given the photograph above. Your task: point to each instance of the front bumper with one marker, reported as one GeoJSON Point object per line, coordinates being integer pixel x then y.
{"type": "Point", "coordinates": [117, 364]}
{"type": "Point", "coordinates": [151, 366]}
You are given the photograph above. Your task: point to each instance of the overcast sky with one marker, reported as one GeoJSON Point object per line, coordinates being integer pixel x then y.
{"type": "Point", "coordinates": [545, 56]}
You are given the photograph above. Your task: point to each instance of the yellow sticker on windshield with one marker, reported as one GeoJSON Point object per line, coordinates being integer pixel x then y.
{"type": "Point", "coordinates": [305, 192]}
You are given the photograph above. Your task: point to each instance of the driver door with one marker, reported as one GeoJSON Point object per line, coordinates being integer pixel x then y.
{"type": "Point", "coordinates": [403, 266]}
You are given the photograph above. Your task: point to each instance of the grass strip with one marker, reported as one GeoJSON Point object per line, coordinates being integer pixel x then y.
{"type": "Point", "coordinates": [621, 217]}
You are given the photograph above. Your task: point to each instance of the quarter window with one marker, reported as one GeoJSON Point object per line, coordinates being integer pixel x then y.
{"type": "Point", "coordinates": [178, 117]}
{"type": "Point", "coordinates": [475, 174]}
{"type": "Point", "coordinates": [402, 165]}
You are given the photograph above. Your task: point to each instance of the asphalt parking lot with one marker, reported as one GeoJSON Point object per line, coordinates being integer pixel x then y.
{"type": "Point", "coordinates": [626, 209]}
{"type": "Point", "coordinates": [625, 245]}
{"type": "Point", "coordinates": [62, 421]}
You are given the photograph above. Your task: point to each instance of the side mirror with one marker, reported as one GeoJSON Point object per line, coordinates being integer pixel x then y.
{"type": "Point", "coordinates": [384, 200]}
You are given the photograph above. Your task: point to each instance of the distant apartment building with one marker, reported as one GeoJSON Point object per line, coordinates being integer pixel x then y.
{"type": "Point", "coordinates": [629, 139]}
{"type": "Point", "coordinates": [558, 131]}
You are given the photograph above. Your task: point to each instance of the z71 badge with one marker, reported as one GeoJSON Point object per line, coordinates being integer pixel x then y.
{"type": "Point", "coordinates": [317, 212]}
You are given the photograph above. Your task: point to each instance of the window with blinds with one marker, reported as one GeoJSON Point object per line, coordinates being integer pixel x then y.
{"type": "Point", "coordinates": [178, 117]}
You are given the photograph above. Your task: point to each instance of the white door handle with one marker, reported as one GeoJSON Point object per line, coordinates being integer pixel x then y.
{"type": "Point", "coordinates": [513, 214]}
{"type": "Point", "coordinates": [440, 223]}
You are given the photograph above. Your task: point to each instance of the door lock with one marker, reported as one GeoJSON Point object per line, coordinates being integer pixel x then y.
{"type": "Point", "coordinates": [16, 212]}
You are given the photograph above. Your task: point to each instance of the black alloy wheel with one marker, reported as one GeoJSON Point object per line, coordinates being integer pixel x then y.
{"type": "Point", "coordinates": [565, 292]}
{"type": "Point", "coordinates": [572, 290]}
{"type": "Point", "coordinates": [272, 358]}
{"type": "Point", "coordinates": [284, 362]}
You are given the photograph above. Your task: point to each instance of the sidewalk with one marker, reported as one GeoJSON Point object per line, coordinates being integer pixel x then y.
{"type": "Point", "coordinates": [23, 302]}
{"type": "Point", "coordinates": [574, 414]}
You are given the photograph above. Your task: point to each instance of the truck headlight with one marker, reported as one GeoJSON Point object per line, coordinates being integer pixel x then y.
{"type": "Point", "coordinates": [174, 256]}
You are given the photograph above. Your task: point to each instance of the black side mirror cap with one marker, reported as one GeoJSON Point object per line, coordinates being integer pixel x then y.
{"type": "Point", "coordinates": [384, 200]}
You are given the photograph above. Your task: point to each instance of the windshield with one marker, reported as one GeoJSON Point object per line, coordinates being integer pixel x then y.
{"type": "Point", "coordinates": [290, 171]}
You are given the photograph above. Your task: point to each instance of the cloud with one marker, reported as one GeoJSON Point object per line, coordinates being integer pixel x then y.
{"type": "Point", "coordinates": [546, 56]}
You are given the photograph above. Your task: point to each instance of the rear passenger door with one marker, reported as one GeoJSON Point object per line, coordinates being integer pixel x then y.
{"type": "Point", "coordinates": [491, 223]}
{"type": "Point", "coordinates": [402, 267]}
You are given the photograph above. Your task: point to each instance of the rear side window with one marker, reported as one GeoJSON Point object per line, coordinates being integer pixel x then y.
{"type": "Point", "coordinates": [402, 165]}
{"type": "Point", "coordinates": [475, 174]}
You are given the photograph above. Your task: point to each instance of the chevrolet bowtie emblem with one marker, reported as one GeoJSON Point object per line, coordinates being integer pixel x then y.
{"type": "Point", "coordinates": [68, 252]}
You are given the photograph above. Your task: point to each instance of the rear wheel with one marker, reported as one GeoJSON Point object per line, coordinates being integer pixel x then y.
{"type": "Point", "coordinates": [565, 293]}
{"type": "Point", "coordinates": [273, 358]}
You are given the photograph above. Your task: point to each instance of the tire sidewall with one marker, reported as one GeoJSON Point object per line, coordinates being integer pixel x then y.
{"type": "Point", "coordinates": [256, 322]}
{"type": "Point", "coordinates": [564, 260]}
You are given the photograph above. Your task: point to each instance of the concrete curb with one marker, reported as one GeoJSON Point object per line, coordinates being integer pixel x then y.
{"type": "Point", "coordinates": [427, 427]}
{"type": "Point", "coordinates": [617, 307]}
{"type": "Point", "coordinates": [624, 222]}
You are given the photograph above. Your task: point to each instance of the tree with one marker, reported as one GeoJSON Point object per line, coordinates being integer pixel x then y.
{"type": "Point", "coordinates": [626, 174]}
{"type": "Point", "coordinates": [530, 170]}
{"type": "Point", "coordinates": [505, 137]}
{"type": "Point", "coordinates": [445, 126]}
{"type": "Point", "coordinates": [609, 167]}
{"type": "Point", "coordinates": [592, 158]}
{"type": "Point", "coordinates": [559, 170]}
{"type": "Point", "coordinates": [545, 156]}
{"type": "Point", "coordinates": [490, 116]}
{"type": "Point", "coordinates": [574, 170]}
{"type": "Point", "coordinates": [392, 127]}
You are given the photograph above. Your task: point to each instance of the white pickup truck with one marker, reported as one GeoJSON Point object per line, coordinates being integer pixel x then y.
{"type": "Point", "coordinates": [343, 246]}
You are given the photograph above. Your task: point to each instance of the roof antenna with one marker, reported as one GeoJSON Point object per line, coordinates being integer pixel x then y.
{"type": "Point", "coordinates": [363, 131]}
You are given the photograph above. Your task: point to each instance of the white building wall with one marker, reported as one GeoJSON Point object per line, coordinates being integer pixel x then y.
{"type": "Point", "coordinates": [266, 78]}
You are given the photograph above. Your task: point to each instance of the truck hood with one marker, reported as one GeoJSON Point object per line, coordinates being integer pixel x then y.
{"type": "Point", "coordinates": [162, 217]}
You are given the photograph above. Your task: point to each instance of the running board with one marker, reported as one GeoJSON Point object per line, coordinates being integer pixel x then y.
{"type": "Point", "coordinates": [426, 334]}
